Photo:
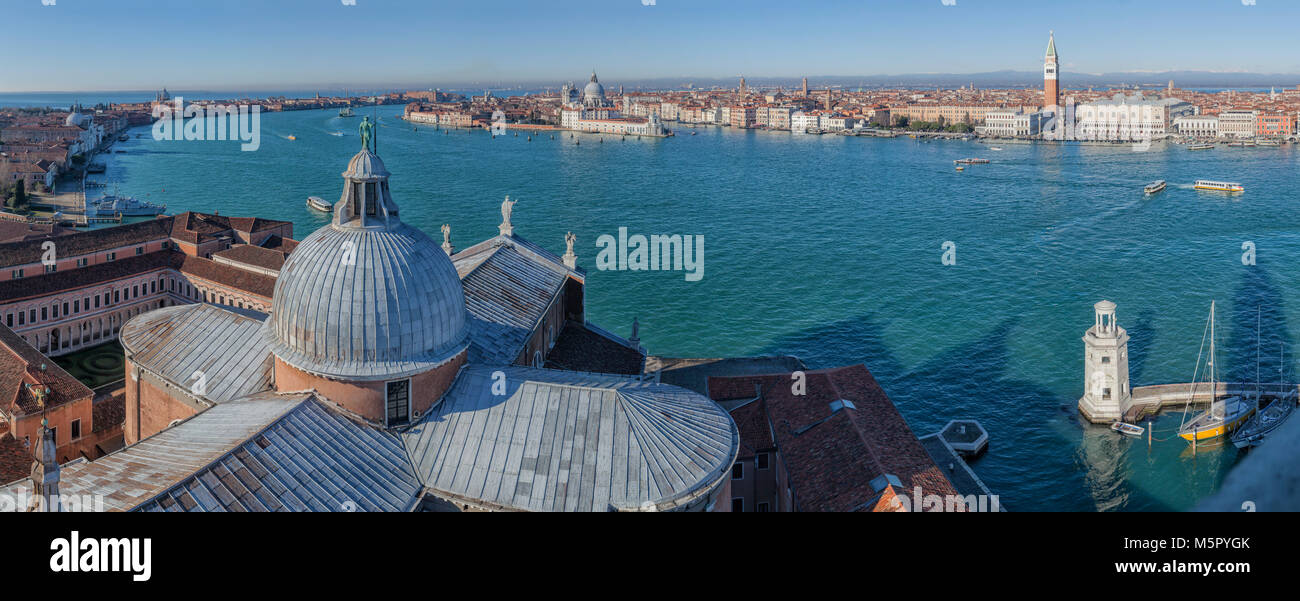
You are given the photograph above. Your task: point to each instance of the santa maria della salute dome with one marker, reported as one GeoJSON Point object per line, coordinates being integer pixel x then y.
{"type": "Point", "coordinates": [395, 373]}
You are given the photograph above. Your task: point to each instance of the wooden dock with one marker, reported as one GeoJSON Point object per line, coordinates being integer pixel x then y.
{"type": "Point", "coordinates": [1150, 400]}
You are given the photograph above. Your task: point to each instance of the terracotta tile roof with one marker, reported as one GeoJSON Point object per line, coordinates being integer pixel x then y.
{"type": "Point", "coordinates": [109, 412]}
{"type": "Point", "coordinates": [20, 363]}
{"type": "Point", "coordinates": [15, 460]}
{"type": "Point", "coordinates": [195, 227]}
{"type": "Point", "coordinates": [229, 275]}
{"type": "Point", "coordinates": [80, 243]}
{"type": "Point", "coordinates": [833, 456]}
{"type": "Point", "coordinates": [755, 434]}
{"type": "Point", "coordinates": [91, 275]}
{"type": "Point", "coordinates": [580, 349]}
{"type": "Point", "coordinates": [255, 256]}
{"type": "Point", "coordinates": [280, 243]}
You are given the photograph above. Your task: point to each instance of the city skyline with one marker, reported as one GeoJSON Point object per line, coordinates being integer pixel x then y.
{"type": "Point", "coordinates": [297, 43]}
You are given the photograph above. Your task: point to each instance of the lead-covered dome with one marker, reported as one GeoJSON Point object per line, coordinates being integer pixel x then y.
{"type": "Point", "coordinates": [367, 297]}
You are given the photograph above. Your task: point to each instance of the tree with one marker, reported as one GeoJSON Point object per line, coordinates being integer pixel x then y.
{"type": "Point", "coordinates": [902, 121]}
{"type": "Point", "coordinates": [20, 194]}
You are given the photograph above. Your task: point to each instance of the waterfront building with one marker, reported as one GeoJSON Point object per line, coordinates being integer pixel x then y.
{"type": "Point", "coordinates": [1275, 124]}
{"type": "Point", "coordinates": [801, 121]}
{"type": "Point", "coordinates": [1106, 394]}
{"type": "Point", "coordinates": [1051, 75]}
{"type": "Point", "coordinates": [1124, 117]}
{"type": "Point", "coordinates": [743, 117]}
{"type": "Point", "coordinates": [1199, 126]}
{"type": "Point", "coordinates": [932, 112]}
{"type": "Point", "coordinates": [593, 112]}
{"type": "Point", "coordinates": [1012, 123]}
{"type": "Point", "coordinates": [1238, 123]}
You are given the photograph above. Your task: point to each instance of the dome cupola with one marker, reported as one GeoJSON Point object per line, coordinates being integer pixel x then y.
{"type": "Point", "coordinates": [367, 301]}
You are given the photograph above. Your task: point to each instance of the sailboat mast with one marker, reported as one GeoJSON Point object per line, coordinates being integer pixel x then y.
{"type": "Point", "coordinates": [1258, 313]}
{"type": "Point", "coordinates": [1214, 379]}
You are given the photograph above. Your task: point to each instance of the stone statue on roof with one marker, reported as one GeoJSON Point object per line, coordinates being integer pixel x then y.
{"type": "Point", "coordinates": [507, 208]}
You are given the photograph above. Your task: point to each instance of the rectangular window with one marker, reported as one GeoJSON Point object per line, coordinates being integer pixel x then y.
{"type": "Point", "coordinates": [76, 306]}
{"type": "Point", "coordinates": [761, 461]}
{"type": "Point", "coordinates": [96, 301]}
{"type": "Point", "coordinates": [22, 317]}
{"type": "Point", "coordinates": [166, 244]}
{"type": "Point", "coordinates": [399, 402]}
{"type": "Point", "coordinates": [76, 429]}
{"type": "Point", "coordinates": [81, 262]}
{"type": "Point", "coordinates": [762, 508]}
{"type": "Point", "coordinates": [1105, 358]}
{"type": "Point", "coordinates": [51, 268]}
{"type": "Point", "coordinates": [117, 296]}
{"type": "Point", "coordinates": [112, 256]}
{"type": "Point", "coordinates": [738, 471]}
{"type": "Point", "coordinates": [45, 313]}
{"type": "Point", "coordinates": [737, 505]}
{"type": "Point", "coordinates": [9, 320]}
{"type": "Point", "coordinates": [54, 433]}
{"type": "Point", "coordinates": [139, 250]}
{"type": "Point", "coordinates": [18, 274]}
{"type": "Point", "coordinates": [65, 309]}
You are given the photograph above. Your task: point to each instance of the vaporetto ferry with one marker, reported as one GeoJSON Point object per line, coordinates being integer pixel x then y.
{"type": "Point", "coordinates": [1206, 184]}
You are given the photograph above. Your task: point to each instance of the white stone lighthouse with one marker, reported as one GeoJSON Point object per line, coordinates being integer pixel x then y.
{"type": "Point", "coordinates": [1106, 393]}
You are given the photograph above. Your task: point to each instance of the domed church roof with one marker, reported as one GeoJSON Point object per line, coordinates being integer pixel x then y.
{"type": "Point", "coordinates": [367, 297]}
{"type": "Point", "coordinates": [593, 91]}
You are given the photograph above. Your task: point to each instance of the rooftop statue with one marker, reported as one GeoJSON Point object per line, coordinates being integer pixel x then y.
{"type": "Point", "coordinates": [367, 130]}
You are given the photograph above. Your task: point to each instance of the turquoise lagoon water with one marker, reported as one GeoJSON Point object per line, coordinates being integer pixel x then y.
{"type": "Point", "coordinates": [829, 248]}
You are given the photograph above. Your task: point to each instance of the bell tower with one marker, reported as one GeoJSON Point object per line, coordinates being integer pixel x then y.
{"type": "Point", "coordinates": [1051, 85]}
{"type": "Point", "coordinates": [1106, 391]}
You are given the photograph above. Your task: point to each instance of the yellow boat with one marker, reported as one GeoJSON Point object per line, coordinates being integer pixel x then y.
{"type": "Point", "coordinates": [293, 137]}
{"type": "Point", "coordinates": [1224, 415]}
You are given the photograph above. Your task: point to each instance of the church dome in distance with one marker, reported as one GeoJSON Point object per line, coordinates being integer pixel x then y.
{"type": "Point", "coordinates": [593, 91]}
{"type": "Point", "coordinates": [367, 297]}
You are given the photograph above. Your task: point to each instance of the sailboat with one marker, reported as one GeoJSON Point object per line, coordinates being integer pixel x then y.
{"type": "Point", "coordinates": [1223, 415]}
{"type": "Point", "coordinates": [1267, 418]}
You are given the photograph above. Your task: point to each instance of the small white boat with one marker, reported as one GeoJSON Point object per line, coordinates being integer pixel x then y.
{"type": "Point", "coordinates": [1154, 187]}
{"type": "Point", "coordinates": [337, 134]}
{"type": "Point", "coordinates": [995, 148]}
{"type": "Point", "coordinates": [971, 161]}
{"type": "Point", "coordinates": [319, 204]}
{"type": "Point", "coordinates": [1201, 147]}
{"type": "Point", "coordinates": [1127, 429]}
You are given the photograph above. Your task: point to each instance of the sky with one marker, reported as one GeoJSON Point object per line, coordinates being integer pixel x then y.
{"type": "Point", "coordinates": [82, 45]}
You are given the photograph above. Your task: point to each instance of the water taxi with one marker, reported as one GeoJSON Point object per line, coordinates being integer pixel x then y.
{"type": "Point", "coordinates": [1241, 144]}
{"type": "Point", "coordinates": [293, 137]}
{"type": "Point", "coordinates": [346, 112]}
{"type": "Point", "coordinates": [319, 204]}
{"type": "Point", "coordinates": [1127, 429]}
{"type": "Point", "coordinates": [960, 168]}
{"type": "Point", "coordinates": [1224, 415]}
{"type": "Point", "coordinates": [1269, 142]}
{"type": "Point", "coordinates": [1207, 184]}
{"type": "Point", "coordinates": [1201, 147]}
{"type": "Point", "coordinates": [995, 148]}
{"type": "Point", "coordinates": [971, 161]}
{"type": "Point", "coordinates": [1154, 187]}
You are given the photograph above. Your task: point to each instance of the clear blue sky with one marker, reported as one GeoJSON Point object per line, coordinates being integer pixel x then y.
{"type": "Point", "coordinates": [281, 44]}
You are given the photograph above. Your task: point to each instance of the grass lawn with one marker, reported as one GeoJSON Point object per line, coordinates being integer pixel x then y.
{"type": "Point", "coordinates": [97, 365]}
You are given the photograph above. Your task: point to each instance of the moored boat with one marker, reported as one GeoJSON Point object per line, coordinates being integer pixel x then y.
{"type": "Point", "coordinates": [1224, 415]}
{"type": "Point", "coordinates": [1269, 415]}
{"type": "Point", "coordinates": [125, 206]}
{"type": "Point", "coordinates": [1154, 187]}
{"type": "Point", "coordinates": [319, 204]}
{"type": "Point", "coordinates": [1127, 429]}
{"type": "Point", "coordinates": [1201, 147]}
{"type": "Point", "coordinates": [1208, 184]}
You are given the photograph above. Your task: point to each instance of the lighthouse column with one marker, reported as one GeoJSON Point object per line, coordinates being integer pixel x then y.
{"type": "Point", "coordinates": [1107, 394]}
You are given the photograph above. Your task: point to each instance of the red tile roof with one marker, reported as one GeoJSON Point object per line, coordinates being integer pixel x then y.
{"type": "Point", "coordinates": [833, 456]}
{"type": "Point", "coordinates": [20, 364]}
{"type": "Point", "coordinates": [15, 460]}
